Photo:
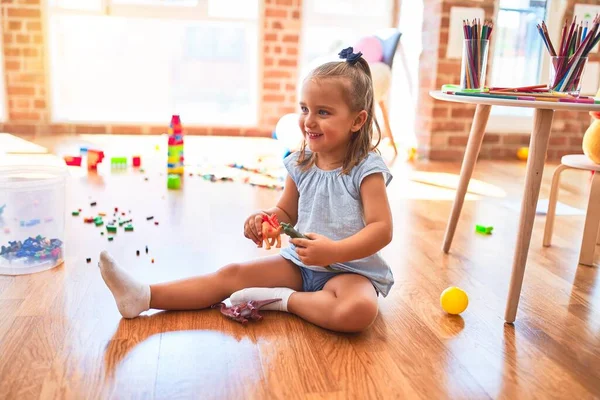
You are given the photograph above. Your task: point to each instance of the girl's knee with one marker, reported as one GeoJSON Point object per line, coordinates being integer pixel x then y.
{"type": "Point", "coordinates": [355, 315]}
{"type": "Point", "coordinates": [230, 273]}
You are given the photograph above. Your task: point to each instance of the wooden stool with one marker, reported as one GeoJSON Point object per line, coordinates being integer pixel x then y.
{"type": "Point", "coordinates": [591, 232]}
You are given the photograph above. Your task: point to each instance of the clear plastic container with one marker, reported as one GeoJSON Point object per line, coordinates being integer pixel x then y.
{"type": "Point", "coordinates": [32, 216]}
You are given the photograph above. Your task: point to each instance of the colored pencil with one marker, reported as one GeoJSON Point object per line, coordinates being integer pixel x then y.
{"type": "Point", "coordinates": [475, 33]}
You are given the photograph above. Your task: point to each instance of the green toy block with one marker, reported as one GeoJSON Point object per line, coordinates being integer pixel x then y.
{"type": "Point", "coordinates": [98, 221]}
{"type": "Point", "coordinates": [110, 238]}
{"type": "Point", "coordinates": [173, 181]}
{"type": "Point", "coordinates": [486, 230]}
{"type": "Point", "coordinates": [119, 162]}
{"type": "Point", "coordinates": [75, 213]}
{"type": "Point", "coordinates": [111, 229]}
{"type": "Point", "coordinates": [129, 228]}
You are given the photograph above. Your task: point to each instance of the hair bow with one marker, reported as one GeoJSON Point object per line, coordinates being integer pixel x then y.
{"type": "Point", "coordinates": [349, 56]}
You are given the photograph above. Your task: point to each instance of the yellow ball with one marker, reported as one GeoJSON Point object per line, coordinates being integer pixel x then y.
{"type": "Point", "coordinates": [523, 153]}
{"type": "Point", "coordinates": [454, 300]}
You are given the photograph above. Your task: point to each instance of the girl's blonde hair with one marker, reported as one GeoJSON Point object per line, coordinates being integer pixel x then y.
{"type": "Point", "coordinates": [358, 90]}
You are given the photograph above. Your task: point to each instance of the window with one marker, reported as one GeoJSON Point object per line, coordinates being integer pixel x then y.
{"type": "Point", "coordinates": [518, 47]}
{"type": "Point", "coordinates": [139, 61]}
{"type": "Point", "coordinates": [329, 26]}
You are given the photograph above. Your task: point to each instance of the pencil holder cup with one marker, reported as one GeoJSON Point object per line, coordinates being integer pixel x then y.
{"type": "Point", "coordinates": [566, 76]}
{"type": "Point", "coordinates": [474, 63]}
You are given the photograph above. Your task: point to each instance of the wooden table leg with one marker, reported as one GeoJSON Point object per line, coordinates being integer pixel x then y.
{"type": "Point", "coordinates": [592, 221]}
{"type": "Point", "coordinates": [535, 168]}
{"type": "Point", "coordinates": [482, 114]}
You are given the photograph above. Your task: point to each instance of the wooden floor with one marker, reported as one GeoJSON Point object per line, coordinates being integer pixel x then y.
{"type": "Point", "coordinates": [62, 337]}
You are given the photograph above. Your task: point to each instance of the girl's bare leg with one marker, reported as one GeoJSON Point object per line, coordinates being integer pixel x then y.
{"type": "Point", "coordinates": [347, 303]}
{"type": "Point", "coordinates": [204, 291]}
{"type": "Point", "coordinates": [133, 297]}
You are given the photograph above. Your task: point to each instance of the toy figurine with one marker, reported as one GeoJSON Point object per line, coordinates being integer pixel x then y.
{"type": "Point", "coordinates": [94, 157]}
{"type": "Point", "coordinates": [291, 232]}
{"type": "Point", "coordinates": [271, 230]}
{"type": "Point", "coordinates": [244, 311]}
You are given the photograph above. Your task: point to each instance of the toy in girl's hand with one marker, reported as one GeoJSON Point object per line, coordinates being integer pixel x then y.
{"type": "Point", "coordinates": [244, 311]}
{"type": "Point", "coordinates": [289, 230]}
{"type": "Point", "coordinates": [270, 230]}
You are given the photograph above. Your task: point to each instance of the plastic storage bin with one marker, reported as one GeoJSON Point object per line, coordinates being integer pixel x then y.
{"type": "Point", "coordinates": [32, 216]}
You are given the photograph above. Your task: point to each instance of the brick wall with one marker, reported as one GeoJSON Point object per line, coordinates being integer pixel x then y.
{"type": "Point", "coordinates": [442, 127]}
{"type": "Point", "coordinates": [28, 112]}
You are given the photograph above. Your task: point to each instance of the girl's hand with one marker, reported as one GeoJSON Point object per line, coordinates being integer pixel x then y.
{"type": "Point", "coordinates": [320, 251]}
{"type": "Point", "coordinates": [253, 227]}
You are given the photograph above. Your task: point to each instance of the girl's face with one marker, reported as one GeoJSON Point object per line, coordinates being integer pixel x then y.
{"type": "Point", "coordinates": [326, 119]}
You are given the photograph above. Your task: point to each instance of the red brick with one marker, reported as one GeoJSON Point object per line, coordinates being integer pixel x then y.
{"type": "Point", "coordinates": [12, 65]}
{"type": "Point", "coordinates": [290, 38]}
{"type": "Point", "coordinates": [277, 74]}
{"type": "Point", "coordinates": [23, 116]}
{"type": "Point", "coordinates": [20, 91]}
{"type": "Point", "coordinates": [270, 37]}
{"type": "Point", "coordinates": [446, 155]}
{"type": "Point", "coordinates": [29, 52]}
{"type": "Point", "coordinates": [458, 140]}
{"type": "Point", "coordinates": [226, 131]}
{"type": "Point", "coordinates": [272, 86]}
{"type": "Point", "coordinates": [284, 2]}
{"type": "Point", "coordinates": [287, 62]}
{"type": "Point", "coordinates": [19, 128]}
{"type": "Point", "coordinates": [277, 25]}
{"type": "Point", "coordinates": [269, 61]}
{"type": "Point", "coordinates": [273, 98]}
{"type": "Point", "coordinates": [81, 128]}
{"type": "Point", "coordinates": [196, 130]}
{"type": "Point", "coordinates": [292, 51]}
{"type": "Point", "coordinates": [59, 128]}
{"type": "Point", "coordinates": [512, 139]}
{"type": "Point", "coordinates": [277, 49]}
{"type": "Point", "coordinates": [12, 51]}
{"type": "Point", "coordinates": [22, 39]}
{"type": "Point", "coordinates": [447, 126]}
{"type": "Point", "coordinates": [34, 26]}
{"type": "Point", "coordinates": [277, 13]}
{"type": "Point", "coordinates": [23, 13]}
{"type": "Point", "coordinates": [39, 104]}
{"type": "Point", "coordinates": [558, 141]}
{"type": "Point", "coordinates": [8, 38]}
{"type": "Point", "coordinates": [15, 25]}
{"type": "Point", "coordinates": [125, 129]}
{"type": "Point", "coordinates": [290, 86]}
{"type": "Point", "coordinates": [296, 14]}
{"type": "Point", "coordinates": [462, 112]}
{"type": "Point", "coordinates": [491, 138]}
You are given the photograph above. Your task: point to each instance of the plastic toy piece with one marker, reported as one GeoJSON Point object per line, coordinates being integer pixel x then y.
{"type": "Point", "coordinates": [83, 150]}
{"type": "Point", "coordinates": [153, 261]}
{"type": "Point", "coordinates": [137, 161]}
{"type": "Point", "coordinates": [129, 228]}
{"type": "Point", "coordinates": [102, 214]}
{"type": "Point", "coordinates": [291, 232]}
{"type": "Point", "coordinates": [111, 238]}
{"type": "Point", "coordinates": [118, 162]}
{"type": "Point", "coordinates": [121, 223]}
{"type": "Point", "coordinates": [98, 221]}
{"type": "Point", "coordinates": [94, 157]}
{"type": "Point", "coordinates": [72, 161]}
{"type": "Point", "coordinates": [137, 252]}
{"type": "Point", "coordinates": [486, 230]}
{"type": "Point", "coordinates": [88, 220]}
{"type": "Point", "coordinates": [270, 230]}
{"type": "Point", "coordinates": [92, 204]}
{"type": "Point", "coordinates": [244, 311]}
{"type": "Point", "coordinates": [175, 147]}
{"type": "Point", "coordinates": [111, 229]}
{"type": "Point", "coordinates": [173, 181]}
{"type": "Point", "coordinates": [75, 213]}
{"type": "Point", "coordinates": [146, 249]}
{"type": "Point", "coordinates": [88, 260]}
{"type": "Point", "coordinates": [149, 218]}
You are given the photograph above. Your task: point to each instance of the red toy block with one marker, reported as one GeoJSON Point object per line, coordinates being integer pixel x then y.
{"type": "Point", "coordinates": [94, 157]}
{"type": "Point", "coordinates": [72, 161]}
{"type": "Point", "coordinates": [137, 161]}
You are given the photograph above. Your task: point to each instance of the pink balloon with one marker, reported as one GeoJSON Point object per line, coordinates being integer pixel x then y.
{"type": "Point", "coordinates": [371, 48]}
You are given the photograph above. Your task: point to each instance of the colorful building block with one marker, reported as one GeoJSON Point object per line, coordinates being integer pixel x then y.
{"type": "Point", "coordinates": [118, 162]}
{"type": "Point", "coordinates": [94, 157]}
{"type": "Point", "coordinates": [137, 161]}
{"type": "Point", "coordinates": [175, 147]}
{"type": "Point", "coordinates": [111, 229]}
{"type": "Point", "coordinates": [486, 230]}
{"type": "Point", "coordinates": [173, 181]}
{"type": "Point", "coordinates": [129, 228]}
{"type": "Point", "coordinates": [72, 161]}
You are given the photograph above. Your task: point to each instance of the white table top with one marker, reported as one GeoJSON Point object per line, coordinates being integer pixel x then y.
{"type": "Point", "coordinates": [438, 94]}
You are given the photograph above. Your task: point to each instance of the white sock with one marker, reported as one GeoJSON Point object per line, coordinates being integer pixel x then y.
{"type": "Point", "coordinates": [131, 296]}
{"type": "Point", "coordinates": [261, 293]}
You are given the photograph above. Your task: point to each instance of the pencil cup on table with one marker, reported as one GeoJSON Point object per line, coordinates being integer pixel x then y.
{"type": "Point", "coordinates": [566, 76]}
{"type": "Point", "coordinates": [474, 63]}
